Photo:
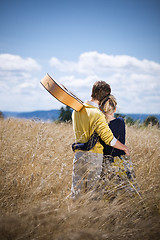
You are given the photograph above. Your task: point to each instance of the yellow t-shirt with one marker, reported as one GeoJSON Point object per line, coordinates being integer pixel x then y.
{"type": "Point", "coordinates": [88, 120]}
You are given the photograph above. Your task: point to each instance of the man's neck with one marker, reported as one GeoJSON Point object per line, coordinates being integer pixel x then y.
{"type": "Point", "coordinates": [94, 100]}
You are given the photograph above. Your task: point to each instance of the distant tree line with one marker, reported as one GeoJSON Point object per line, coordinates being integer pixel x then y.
{"type": "Point", "coordinates": [1, 115]}
{"type": "Point", "coordinates": [66, 116]}
{"type": "Point", "coordinates": [149, 121]}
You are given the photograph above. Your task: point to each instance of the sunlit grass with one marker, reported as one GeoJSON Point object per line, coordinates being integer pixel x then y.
{"type": "Point", "coordinates": [35, 181]}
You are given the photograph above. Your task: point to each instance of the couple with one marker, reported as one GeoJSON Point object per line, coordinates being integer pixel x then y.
{"type": "Point", "coordinates": [98, 152]}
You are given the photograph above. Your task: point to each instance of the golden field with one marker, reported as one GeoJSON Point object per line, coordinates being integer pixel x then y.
{"type": "Point", "coordinates": [35, 181]}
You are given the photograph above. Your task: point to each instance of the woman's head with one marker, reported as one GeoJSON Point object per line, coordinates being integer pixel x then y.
{"type": "Point", "coordinates": [108, 105]}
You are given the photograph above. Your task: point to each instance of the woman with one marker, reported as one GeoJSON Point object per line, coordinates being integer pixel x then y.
{"type": "Point", "coordinates": [117, 171]}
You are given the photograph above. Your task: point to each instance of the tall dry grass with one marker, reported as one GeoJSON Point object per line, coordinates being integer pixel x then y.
{"type": "Point", "coordinates": [35, 181]}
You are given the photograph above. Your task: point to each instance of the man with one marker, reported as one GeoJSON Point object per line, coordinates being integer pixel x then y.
{"type": "Point", "coordinates": [87, 166]}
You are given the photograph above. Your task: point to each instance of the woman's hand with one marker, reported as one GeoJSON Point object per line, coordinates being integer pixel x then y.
{"type": "Point", "coordinates": [126, 150]}
{"type": "Point", "coordinates": [121, 146]}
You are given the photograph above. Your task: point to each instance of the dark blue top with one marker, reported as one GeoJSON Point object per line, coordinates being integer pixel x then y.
{"type": "Point", "coordinates": [117, 126]}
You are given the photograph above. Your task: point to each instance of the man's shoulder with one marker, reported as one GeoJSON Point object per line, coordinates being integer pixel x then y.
{"type": "Point", "coordinates": [89, 111]}
{"type": "Point", "coordinates": [93, 111]}
{"type": "Point", "coordinates": [90, 108]}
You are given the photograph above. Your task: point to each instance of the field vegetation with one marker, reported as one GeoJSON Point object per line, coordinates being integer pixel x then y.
{"type": "Point", "coordinates": [35, 182]}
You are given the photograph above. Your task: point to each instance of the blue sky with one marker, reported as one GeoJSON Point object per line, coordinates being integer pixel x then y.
{"type": "Point", "coordinates": [78, 43]}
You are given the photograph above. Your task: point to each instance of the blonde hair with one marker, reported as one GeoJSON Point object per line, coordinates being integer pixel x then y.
{"type": "Point", "coordinates": [108, 105]}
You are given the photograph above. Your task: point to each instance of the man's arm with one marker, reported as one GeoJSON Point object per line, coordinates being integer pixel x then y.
{"type": "Point", "coordinates": [121, 146]}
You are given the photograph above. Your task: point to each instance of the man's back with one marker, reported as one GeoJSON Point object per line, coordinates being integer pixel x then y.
{"type": "Point", "coordinates": [88, 120]}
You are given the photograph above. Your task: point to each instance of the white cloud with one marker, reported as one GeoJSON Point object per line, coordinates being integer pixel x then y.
{"type": "Point", "coordinates": [14, 69]}
{"type": "Point", "coordinates": [17, 82]}
{"type": "Point", "coordinates": [10, 62]}
{"type": "Point", "coordinates": [94, 62]}
{"type": "Point", "coordinates": [77, 82]}
{"type": "Point", "coordinates": [134, 82]}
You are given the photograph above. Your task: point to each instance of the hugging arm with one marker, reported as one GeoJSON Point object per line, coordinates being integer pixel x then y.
{"type": "Point", "coordinates": [88, 145]}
